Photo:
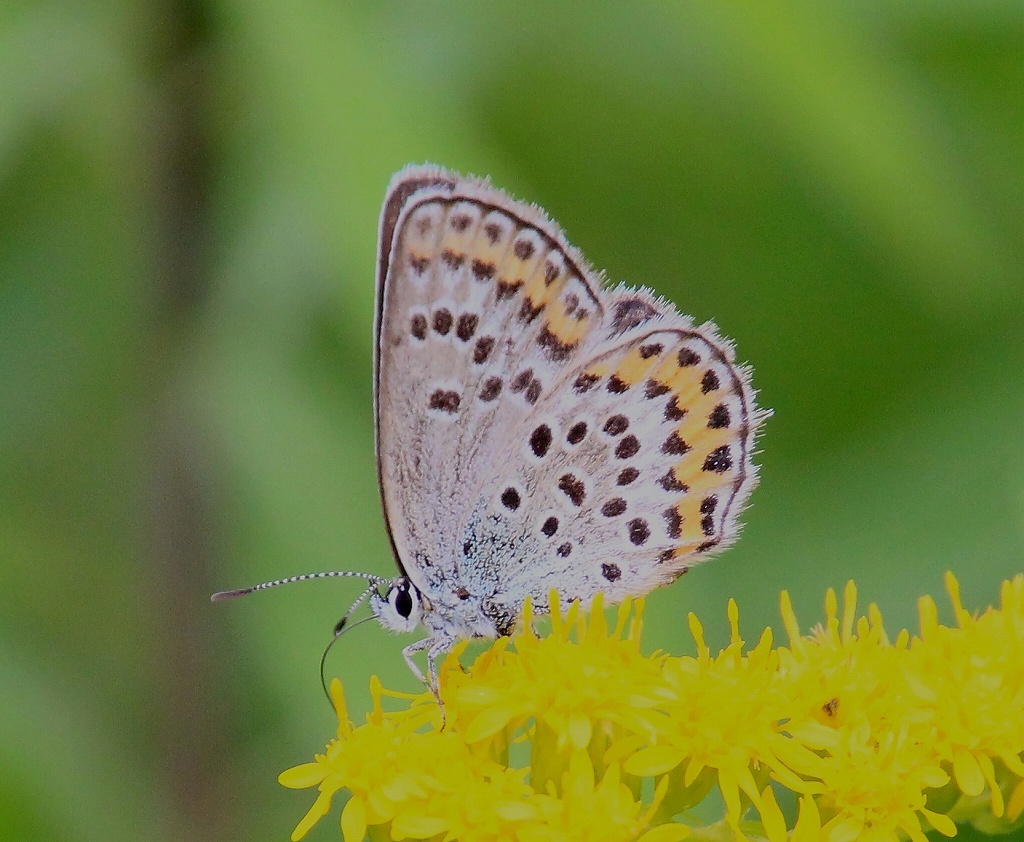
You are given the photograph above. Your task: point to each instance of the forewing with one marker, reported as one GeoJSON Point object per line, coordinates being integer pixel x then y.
{"type": "Point", "coordinates": [483, 309]}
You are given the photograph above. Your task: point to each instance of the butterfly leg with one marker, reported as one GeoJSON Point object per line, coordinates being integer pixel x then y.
{"type": "Point", "coordinates": [411, 650]}
{"type": "Point", "coordinates": [438, 647]}
{"type": "Point", "coordinates": [435, 646]}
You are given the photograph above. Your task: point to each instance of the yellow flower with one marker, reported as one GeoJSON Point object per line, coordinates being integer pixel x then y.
{"type": "Point", "coordinates": [579, 735]}
{"type": "Point", "coordinates": [605, 688]}
{"type": "Point", "coordinates": [968, 689]}
{"type": "Point", "coordinates": [852, 708]}
{"type": "Point", "coordinates": [723, 715]}
{"type": "Point", "coordinates": [583, 808]}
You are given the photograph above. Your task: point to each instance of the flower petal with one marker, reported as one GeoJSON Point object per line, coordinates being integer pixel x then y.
{"type": "Point", "coordinates": [417, 826]}
{"type": "Point", "coordinates": [489, 722]}
{"type": "Point", "coordinates": [579, 729]}
{"type": "Point", "coordinates": [666, 833]}
{"type": "Point", "coordinates": [655, 760]}
{"type": "Point", "coordinates": [968, 773]}
{"type": "Point", "coordinates": [305, 775]}
{"type": "Point", "coordinates": [771, 817]}
{"type": "Point", "coordinates": [313, 815]}
{"type": "Point", "coordinates": [942, 823]}
{"type": "Point", "coordinates": [353, 820]}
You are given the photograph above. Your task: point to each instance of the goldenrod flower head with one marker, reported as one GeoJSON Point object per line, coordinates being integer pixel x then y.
{"type": "Point", "coordinates": [579, 735]}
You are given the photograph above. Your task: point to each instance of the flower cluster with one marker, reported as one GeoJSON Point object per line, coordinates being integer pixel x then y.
{"type": "Point", "coordinates": [579, 735]}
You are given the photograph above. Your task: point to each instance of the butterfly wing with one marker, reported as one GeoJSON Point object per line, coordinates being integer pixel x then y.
{"type": "Point", "coordinates": [540, 430]}
{"type": "Point", "coordinates": [462, 356]}
{"type": "Point", "coordinates": [649, 463]}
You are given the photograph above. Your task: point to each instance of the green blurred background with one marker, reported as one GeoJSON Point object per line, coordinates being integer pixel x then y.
{"type": "Point", "coordinates": [189, 195]}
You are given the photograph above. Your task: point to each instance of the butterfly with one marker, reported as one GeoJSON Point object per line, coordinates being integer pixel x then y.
{"type": "Point", "coordinates": [534, 428]}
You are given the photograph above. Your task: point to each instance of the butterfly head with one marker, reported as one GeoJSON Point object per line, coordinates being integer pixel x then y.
{"type": "Point", "coordinates": [400, 607]}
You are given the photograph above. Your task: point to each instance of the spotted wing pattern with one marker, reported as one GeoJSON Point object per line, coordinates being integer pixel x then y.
{"type": "Point", "coordinates": [647, 468]}
{"type": "Point", "coordinates": [463, 354]}
{"type": "Point", "coordinates": [533, 428]}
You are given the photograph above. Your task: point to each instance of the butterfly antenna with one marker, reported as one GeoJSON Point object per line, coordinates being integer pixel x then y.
{"type": "Point", "coordinates": [339, 627]}
{"type": "Point", "coordinates": [220, 596]}
{"type": "Point", "coordinates": [339, 630]}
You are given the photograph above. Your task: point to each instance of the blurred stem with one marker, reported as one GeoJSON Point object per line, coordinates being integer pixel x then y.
{"type": "Point", "coordinates": [192, 748]}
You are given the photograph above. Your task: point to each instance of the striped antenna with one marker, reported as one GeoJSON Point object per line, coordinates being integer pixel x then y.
{"type": "Point", "coordinates": [342, 625]}
{"type": "Point", "coordinates": [223, 595]}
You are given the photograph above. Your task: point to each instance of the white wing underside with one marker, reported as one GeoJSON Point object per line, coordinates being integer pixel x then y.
{"type": "Point", "coordinates": [535, 430]}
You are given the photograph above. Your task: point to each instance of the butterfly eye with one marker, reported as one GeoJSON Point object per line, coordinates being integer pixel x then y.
{"type": "Point", "coordinates": [401, 601]}
{"type": "Point", "coordinates": [400, 607]}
